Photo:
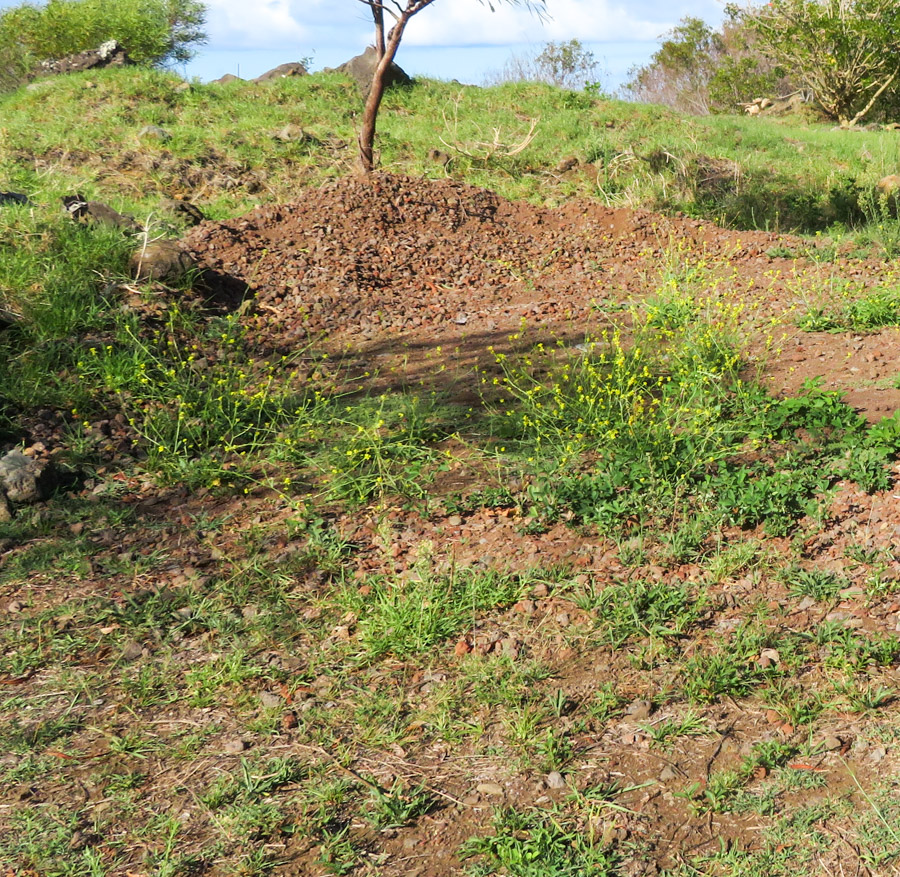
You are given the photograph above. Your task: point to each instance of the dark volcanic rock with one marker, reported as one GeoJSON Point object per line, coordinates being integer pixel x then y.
{"type": "Point", "coordinates": [362, 67]}
{"type": "Point", "coordinates": [164, 261]}
{"type": "Point", "coordinates": [109, 54]}
{"type": "Point", "coordinates": [292, 68]}
{"type": "Point", "coordinates": [26, 479]}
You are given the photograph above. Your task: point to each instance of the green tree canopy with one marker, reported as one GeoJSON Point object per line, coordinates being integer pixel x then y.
{"type": "Point", "coordinates": [153, 32]}
{"type": "Point", "coordinates": [846, 51]}
{"type": "Point", "coordinates": [699, 70]}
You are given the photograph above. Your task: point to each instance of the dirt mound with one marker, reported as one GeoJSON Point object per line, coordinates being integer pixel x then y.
{"type": "Point", "coordinates": [397, 253]}
{"type": "Point", "coordinates": [451, 266]}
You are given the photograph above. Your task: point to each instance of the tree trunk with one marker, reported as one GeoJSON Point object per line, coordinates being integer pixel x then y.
{"type": "Point", "coordinates": [376, 93]}
{"type": "Point", "coordinates": [378, 15]}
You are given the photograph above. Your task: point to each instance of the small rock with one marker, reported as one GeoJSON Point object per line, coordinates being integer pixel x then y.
{"type": "Point", "coordinates": [289, 720]}
{"type": "Point", "coordinates": [526, 607]}
{"type": "Point", "coordinates": [270, 700]}
{"type": "Point", "coordinates": [14, 608]}
{"type": "Point", "coordinates": [838, 615]}
{"type": "Point", "coordinates": [773, 717]}
{"type": "Point", "coordinates": [877, 754]}
{"type": "Point", "coordinates": [154, 132]}
{"type": "Point", "coordinates": [132, 650]}
{"type": "Point", "coordinates": [234, 747]}
{"type": "Point", "coordinates": [667, 774]}
{"type": "Point", "coordinates": [461, 648]}
{"type": "Point", "coordinates": [639, 710]}
{"type": "Point", "coordinates": [540, 591]}
{"type": "Point", "coordinates": [555, 780]}
{"type": "Point", "coordinates": [454, 521]}
{"type": "Point", "coordinates": [830, 743]}
{"type": "Point", "coordinates": [563, 619]}
{"type": "Point", "coordinates": [26, 479]}
{"type": "Point", "coordinates": [492, 790]}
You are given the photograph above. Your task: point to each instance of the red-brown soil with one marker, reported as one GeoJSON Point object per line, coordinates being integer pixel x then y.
{"type": "Point", "coordinates": [417, 279]}
{"type": "Point", "coordinates": [435, 272]}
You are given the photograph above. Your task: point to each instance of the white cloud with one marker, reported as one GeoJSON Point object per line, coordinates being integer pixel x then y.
{"type": "Point", "coordinates": [237, 24]}
{"type": "Point", "coordinates": [312, 24]}
{"type": "Point", "coordinates": [468, 22]}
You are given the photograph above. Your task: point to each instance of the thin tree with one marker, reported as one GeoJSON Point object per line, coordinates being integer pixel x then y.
{"type": "Point", "coordinates": [386, 51]}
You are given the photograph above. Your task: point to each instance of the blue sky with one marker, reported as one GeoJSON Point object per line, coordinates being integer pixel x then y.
{"type": "Point", "coordinates": [452, 39]}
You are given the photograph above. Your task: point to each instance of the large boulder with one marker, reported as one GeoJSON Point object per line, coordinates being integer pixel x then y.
{"type": "Point", "coordinates": [362, 68]}
{"type": "Point", "coordinates": [97, 213]}
{"type": "Point", "coordinates": [224, 80]}
{"type": "Point", "coordinates": [109, 54]}
{"type": "Point", "coordinates": [26, 479]}
{"type": "Point", "coordinates": [888, 186]}
{"type": "Point", "coordinates": [163, 260]}
{"type": "Point", "coordinates": [282, 71]}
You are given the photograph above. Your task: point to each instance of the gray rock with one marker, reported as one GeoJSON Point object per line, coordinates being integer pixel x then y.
{"type": "Point", "coordinates": [164, 261]}
{"type": "Point", "coordinates": [154, 132]}
{"type": "Point", "coordinates": [361, 69]}
{"type": "Point", "coordinates": [27, 480]}
{"type": "Point", "coordinates": [492, 790]}
{"type": "Point", "coordinates": [6, 512]}
{"type": "Point", "coordinates": [270, 700]}
{"type": "Point", "coordinates": [234, 747]}
{"type": "Point", "coordinates": [292, 134]}
{"type": "Point", "coordinates": [667, 774]}
{"type": "Point", "coordinates": [282, 71]}
{"type": "Point", "coordinates": [132, 650]}
{"type": "Point", "coordinates": [555, 780]}
{"type": "Point", "coordinates": [831, 743]}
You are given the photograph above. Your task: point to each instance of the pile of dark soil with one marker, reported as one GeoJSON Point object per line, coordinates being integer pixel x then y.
{"type": "Point", "coordinates": [397, 253]}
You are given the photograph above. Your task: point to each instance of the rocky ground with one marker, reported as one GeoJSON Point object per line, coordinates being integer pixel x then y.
{"type": "Point", "coordinates": [412, 282]}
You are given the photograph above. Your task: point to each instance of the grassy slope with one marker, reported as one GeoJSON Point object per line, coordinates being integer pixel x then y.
{"type": "Point", "coordinates": [784, 174]}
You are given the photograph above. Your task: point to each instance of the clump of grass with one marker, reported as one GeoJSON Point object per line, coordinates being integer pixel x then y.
{"type": "Point", "coordinates": [408, 617]}
{"type": "Point", "coordinates": [533, 843]}
{"type": "Point", "coordinates": [655, 419]}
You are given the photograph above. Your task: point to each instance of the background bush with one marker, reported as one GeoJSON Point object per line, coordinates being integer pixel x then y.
{"type": "Point", "coordinates": [153, 32]}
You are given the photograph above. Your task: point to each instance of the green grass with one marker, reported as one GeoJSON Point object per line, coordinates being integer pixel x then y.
{"type": "Point", "coordinates": [753, 173]}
